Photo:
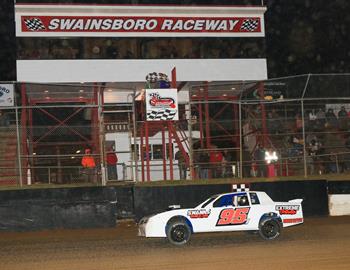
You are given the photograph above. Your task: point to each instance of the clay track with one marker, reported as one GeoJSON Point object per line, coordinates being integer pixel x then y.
{"type": "Point", "coordinates": [320, 243]}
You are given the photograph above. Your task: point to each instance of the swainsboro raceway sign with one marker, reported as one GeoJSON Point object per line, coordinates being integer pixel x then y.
{"type": "Point", "coordinates": [114, 20]}
{"type": "Point", "coordinates": [6, 95]}
{"type": "Point", "coordinates": [162, 104]}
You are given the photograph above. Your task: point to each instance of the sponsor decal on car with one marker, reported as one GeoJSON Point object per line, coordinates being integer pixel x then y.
{"type": "Point", "coordinates": [198, 213]}
{"type": "Point", "coordinates": [293, 220]}
{"type": "Point", "coordinates": [231, 216]}
{"type": "Point", "coordinates": [287, 209]}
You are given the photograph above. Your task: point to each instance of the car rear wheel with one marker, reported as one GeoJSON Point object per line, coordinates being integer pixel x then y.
{"type": "Point", "coordinates": [270, 229]}
{"type": "Point", "coordinates": [178, 232]}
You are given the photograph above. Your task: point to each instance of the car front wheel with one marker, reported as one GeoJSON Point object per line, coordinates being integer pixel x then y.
{"type": "Point", "coordinates": [270, 229]}
{"type": "Point", "coordinates": [178, 232]}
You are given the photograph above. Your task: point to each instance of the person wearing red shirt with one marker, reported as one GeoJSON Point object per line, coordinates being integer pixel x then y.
{"type": "Point", "coordinates": [89, 166]}
{"type": "Point", "coordinates": [112, 160]}
{"type": "Point", "coordinates": [216, 158]}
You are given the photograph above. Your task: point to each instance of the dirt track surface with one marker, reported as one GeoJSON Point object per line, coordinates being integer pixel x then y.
{"type": "Point", "coordinates": [320, 243]}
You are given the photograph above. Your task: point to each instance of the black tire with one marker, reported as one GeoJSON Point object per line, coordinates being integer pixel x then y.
{"type": "Point", "coordinates": [270, 229]}
{"type": "Point", "coordinates": [178, 232]}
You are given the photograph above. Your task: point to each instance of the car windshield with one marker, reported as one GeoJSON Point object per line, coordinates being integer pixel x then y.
{"type": "Point", "coordinates": [205, 203]}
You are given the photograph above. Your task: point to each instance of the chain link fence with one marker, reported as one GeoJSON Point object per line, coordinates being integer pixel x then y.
{"type": "Point", "coordinates": [294, 126]}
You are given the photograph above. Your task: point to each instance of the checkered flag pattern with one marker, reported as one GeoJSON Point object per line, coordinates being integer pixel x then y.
{"type": "Point", "coordinates": [162, 114]}
{"type": "Point", "coordinates": [249, 25]}
{"type": "Point", "coordinates": [154, 77]}
{"type": "Point", "coordinates": [239, 187]}
{"type": "Point", "coordinates": [34, 24]}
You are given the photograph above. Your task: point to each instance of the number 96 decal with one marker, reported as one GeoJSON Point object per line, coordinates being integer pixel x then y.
{"type": "Point", "coordinates": [231, 216]}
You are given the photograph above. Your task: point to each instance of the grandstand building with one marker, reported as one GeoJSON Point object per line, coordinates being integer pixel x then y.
{"type": "Point", "coordinates": [93, 55]}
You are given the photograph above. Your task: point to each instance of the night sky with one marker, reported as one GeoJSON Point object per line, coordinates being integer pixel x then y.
{"type": "Point", "coordinates": [302, 36]}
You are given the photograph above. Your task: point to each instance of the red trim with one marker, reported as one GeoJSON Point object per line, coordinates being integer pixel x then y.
{"type": "Point", "coordinates": [293, 220]}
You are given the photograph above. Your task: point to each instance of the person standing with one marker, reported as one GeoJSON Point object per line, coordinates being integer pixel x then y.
{"type": "Point", "coordinates": [216, 159]}
{"type": "Point", "coordinates": [182, 164]}
{"type": "Point", "coordinates": [89, 166]}
{"type": "Point", "coordinates": [112, 160]}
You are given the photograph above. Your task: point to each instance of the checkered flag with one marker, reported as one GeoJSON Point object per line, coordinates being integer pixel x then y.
{"type": "Point", "coordinates": [34, 24]}
{"type": "Point", "coordinates": [162, 114]}
{"type": "Point", "coordinates": [239, 187]}
{"type": "Point", "coordinates": [249, 25]}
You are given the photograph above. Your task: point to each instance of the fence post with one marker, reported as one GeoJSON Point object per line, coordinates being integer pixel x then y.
{"type": "Point", "coordinates": [304, 144]}
{"type": "Point", "coordinates": [19, 150]}
{"type": "Point", "coordinates": [303, 123]}
{"type": "Point", "coordinates": [135, 160]}
{"type": "Point", "coordinates": [190, 142]}
{"type": "Point", "coordinates": [101, 137]}
{"type": "Point", "coordinates": [240, 141]}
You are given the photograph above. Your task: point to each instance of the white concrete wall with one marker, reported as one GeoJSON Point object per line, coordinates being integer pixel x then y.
{"type": "Point", "coordinates": [339, 204]}
{"type": "Point", "coordinates": [64, 71]}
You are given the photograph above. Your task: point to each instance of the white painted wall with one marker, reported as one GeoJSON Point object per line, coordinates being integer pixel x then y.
{"type": "Point", "coordinates": [122, 70]}
{"type": "Point", "coordinates": [122, 143]}
{"type": "Point", "coordinates": [339, 204]}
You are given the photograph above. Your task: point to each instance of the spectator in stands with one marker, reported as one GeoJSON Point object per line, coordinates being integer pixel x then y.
{"type": "Point", "coordinates": [298, 122]}
{"type": "Point", "coordinates": [312, 120]}
{"type": "Point", "coordinates": [4, 119]}
{"type": "Point", "coordinates": [216, 163]}
{"type": "Point", "coordinates": [331, 118]}
{"type": "Point", "coordinates": [227, 164]}
{"type": "Point", "coordinates": [112, 160]}
{"type": "Point", "coordinates": [343, 118]}
{"type": "Point", "coordinates": [111, 51]}
{"type": "Point", "coordinates": [182, 164]}
{"type": "Point", "coordinates": [89, 166]}
{"type": "Point", "coordinates": [320, 119]}
{"type": "Point", "coordinates": [203, 165]}
{"type": "Point", "coordinates": [259, 157]}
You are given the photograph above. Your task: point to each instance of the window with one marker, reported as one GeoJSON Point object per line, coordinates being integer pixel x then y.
{"type": "Point", "coordinates": [157, 151]}
{"type": "Point", "coordinates": [208, 201]}
{"type": "Point", "coordinates": [242, 200]}
{"type": "Point", "coordinates": [225, 200]}
{"type": "Point", "coordinates": [254, 198]}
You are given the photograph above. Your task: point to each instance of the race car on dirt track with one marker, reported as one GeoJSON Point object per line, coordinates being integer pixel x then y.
{"type": "Point", "coordinates": [236, 211]}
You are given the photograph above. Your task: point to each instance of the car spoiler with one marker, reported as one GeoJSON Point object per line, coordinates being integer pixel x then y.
{"type": "Point", "coordinates": [296, 201]}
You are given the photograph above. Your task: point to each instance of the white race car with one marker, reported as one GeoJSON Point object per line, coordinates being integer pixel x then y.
{"type": "Point", "coordinates": [236, 211]}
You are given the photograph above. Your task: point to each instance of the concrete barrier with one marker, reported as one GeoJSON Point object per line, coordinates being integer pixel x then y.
{"type": "Point", "coordinates": [37, 209]}
{"type": "Point", "coordinates": [339, 198]}
{"type": "Point", "coordinates": [95, 207]}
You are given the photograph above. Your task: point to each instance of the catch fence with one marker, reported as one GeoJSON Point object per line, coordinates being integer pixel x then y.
{"type": "Point", "coordinates": [294, 126]}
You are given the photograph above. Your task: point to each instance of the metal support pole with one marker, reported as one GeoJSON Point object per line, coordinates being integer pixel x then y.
{"type": "Point", "coordinates": [142, 151]}
{"type": "Point", "coordinates": [190, 141]}
{"type": "Point", "coordinates": [207, 118]}
{"type": "Point", "coordinates": [263, 115]}
{"type": "Point", "coordinates": [240, 141]}
{"type": "Point", "coordinates": [100, 120]}
{"type": "Point", "coordinates": [135, 159]}
{"type": "Point", "coordinates": [24, 130]}
{"type": "Point", "coordinates": [200, 123]}
{"type": "Point", "coordinates": [170, 145]}
{"type": "Point", "coordinates": [304, 145]}
{"type": "Point", "coordinates": [19, 150]}
{"type": "Point", "coordinates": [164, 153]}
{"type": "Point", "coordinates": [148, 169]}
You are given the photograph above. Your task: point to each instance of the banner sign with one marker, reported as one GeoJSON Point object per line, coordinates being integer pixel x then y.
{"type": "Point", "coordinates": [150, 21]}
{"type": "Point", "coordinates": [161, 104]}
{"type": "Point", "coordinates": [6, 95]}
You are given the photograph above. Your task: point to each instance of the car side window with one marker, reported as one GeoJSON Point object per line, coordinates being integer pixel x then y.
{"type": "Point", "coordinates": [226, 200]}
{"type": "Point", "coordinates": [254, 198]}
{"type": "Point", "coordinates": [242, 200]}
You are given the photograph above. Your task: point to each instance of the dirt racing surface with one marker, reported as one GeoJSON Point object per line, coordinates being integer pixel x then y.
{"type": "Point", "coordinates": [320, 243]}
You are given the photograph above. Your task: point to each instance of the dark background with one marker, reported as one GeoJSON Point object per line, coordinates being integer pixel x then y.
{"type": "Point", "coordinates": [302, 36]}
